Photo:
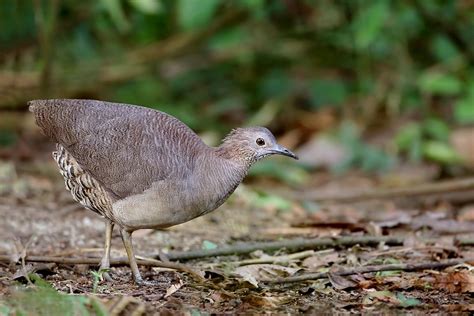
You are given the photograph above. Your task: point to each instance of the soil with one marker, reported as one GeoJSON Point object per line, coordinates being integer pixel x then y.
{"type": "Point", "coordinates": [40, 218]}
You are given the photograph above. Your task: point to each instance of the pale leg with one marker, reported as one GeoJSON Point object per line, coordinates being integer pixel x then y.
{"type": "Point", "coordinates": [105, 262]}
{"type": "Point", "coordinates": [127, 242]}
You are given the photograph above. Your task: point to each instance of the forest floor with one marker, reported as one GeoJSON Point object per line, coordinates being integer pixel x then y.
{"type": "Point", "coordinates": [40, 218]}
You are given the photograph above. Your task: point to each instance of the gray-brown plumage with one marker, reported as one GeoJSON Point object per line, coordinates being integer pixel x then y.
{"type": "Point", "coordinates": [142, 168]}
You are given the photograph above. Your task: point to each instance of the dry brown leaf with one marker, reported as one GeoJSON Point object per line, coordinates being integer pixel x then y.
{"type": "Point", "coordinates": [266, 301]}
{"type": "Point", "coordinates": [255, 272]}
{"type": "Point", "coordinates": [317, 261]}
{"type": "Point", "coordinates": [466, 213]}
{"type": "Point", "coordinates": [341, 283]}
{"type": "Point", "coordinates": [173, 288]}
{"type": "Point", "coordinates": [456, 281]}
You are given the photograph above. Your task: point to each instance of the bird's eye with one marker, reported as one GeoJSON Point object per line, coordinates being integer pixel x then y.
{"type": "Point", "coordinates": [260, 142]}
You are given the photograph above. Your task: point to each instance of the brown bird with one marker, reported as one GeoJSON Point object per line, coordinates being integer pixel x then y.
{"type": "Point", "coordinates": [142, 168]}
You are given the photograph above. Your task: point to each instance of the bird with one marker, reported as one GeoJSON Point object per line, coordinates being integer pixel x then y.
{"type": "Point", "coordinates": [139, 168]}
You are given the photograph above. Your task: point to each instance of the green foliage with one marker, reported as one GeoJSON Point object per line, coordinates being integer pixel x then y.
{"type": "Point", "coordinates": [194, 14]}
{"type": "Point", "coordinates": [405, 58]}
{"type": "Point", "coordinates": [284, 171]}
{"type": "Point", "coordinates": [439, 83]}
{"type": "Point", "coordinates": [98, 276]}
{"type": "Point", "coordinates": [369, 23]}
{"type": "Point", "coordinates": [43, 299]}
{"type": "Point", "coordinates": [362, 156]}
{"type": "Point", "coordinates": [208, 245]}
{"type": "Point", "coordinates": [464, 107]}
{"type": "Point", "coordinates": [428, 139]}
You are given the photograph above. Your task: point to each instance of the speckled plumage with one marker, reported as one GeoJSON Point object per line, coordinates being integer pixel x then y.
{"type": "Point", "coordinates": [142, 168]}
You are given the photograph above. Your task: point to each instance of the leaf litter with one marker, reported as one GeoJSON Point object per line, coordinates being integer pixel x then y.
{"type": "Point", "coordinates": [234, 283]}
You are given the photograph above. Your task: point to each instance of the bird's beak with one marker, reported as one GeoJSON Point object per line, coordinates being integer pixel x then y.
{"type": "Point", "coordinates": [280, 150]}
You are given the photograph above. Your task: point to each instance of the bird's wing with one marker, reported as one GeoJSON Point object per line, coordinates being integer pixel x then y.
{"type": "Point", "coordinates": [124, 147]}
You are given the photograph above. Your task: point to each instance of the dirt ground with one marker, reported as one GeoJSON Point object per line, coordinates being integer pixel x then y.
{"type": "Point", "coordinates": [40, 218]}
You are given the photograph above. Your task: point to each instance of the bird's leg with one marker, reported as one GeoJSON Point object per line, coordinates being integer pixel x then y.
{"type": "Point", "coordinates": [127, 242]}
{"type": "Point", "coordinates": [105, 262]}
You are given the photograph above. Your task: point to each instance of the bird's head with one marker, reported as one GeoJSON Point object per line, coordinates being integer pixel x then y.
{"type": "Point", "coordinates": [253, 144]}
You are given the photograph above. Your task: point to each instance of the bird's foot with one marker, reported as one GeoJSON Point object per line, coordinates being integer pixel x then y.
{"type": "Point", "coordinates": [141, 282]}
{"type": "Point", "coordinates": [104, 273]}
{"type": "Point", "coordinates": [107, 277]}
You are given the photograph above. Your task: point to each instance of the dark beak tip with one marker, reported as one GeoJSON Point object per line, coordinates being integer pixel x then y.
{"type": "Point", "coordinates": [290, 154]}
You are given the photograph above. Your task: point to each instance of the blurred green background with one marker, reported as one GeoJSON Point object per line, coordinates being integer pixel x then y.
{"type": "Point", "coordinates": [367, 84]}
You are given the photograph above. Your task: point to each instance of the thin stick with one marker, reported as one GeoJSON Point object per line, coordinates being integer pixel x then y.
{"type": "Point", "coordinates": [272, 259]}
{"type": "Point", "coordinates": [290, 244]}
{"type": "Point", "coordinates": [376, 268]}
{"type": "Point", "coordinates": [418, 190]}
{"type": "Point", "coordinates": [113, 262]}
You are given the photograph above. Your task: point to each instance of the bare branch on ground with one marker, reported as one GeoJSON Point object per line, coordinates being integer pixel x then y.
{"type": "Point", "coordinates": [369, 269]}
{"type": "Point", "coordinates": [386, 193]}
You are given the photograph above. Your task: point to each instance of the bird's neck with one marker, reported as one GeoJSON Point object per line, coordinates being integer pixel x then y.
{"type": "Point", "coordinates": [237, 155]}
{"type": "Point", "coordinates": [217, 177]}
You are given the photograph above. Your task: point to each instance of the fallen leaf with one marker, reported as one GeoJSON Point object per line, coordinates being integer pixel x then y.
{"type": "Point", "coordinates": [466, 213]}
{"type": "Point", "coordinates": [437, 222]}
{"type": "Point", "coordinates": [391, 298]}
{"type": "Point", "coordinates": [319, 260]}
{"type": "Point", "coordinates": [173, 288]}
{"type": "Point", "coordinates": [341, 283]}
{"type": "Point", "coordinates": [266, 301]}
{"type": "Point", "coordinates": [208, 245]}
{"type": "Point", "coordinates": [43, 269]}
{"type": "Point", "coordinates": [456, 281]}
{"type": "Point", "coordinates": [382, 296]}
{"type": "Point", "coordinates": [407, 301]}
{"type": "Point", "coordinates": [255, 272]}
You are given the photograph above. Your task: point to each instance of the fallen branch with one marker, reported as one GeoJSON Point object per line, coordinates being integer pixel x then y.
{"type": "Point", "coordinates": [113, 262]}
{"type": "Point", "coordinates": [387, 193]}
{"type": "Point", "coordinates": [291, 244]}
{"type": "Point", "coordinates": [369, 269]}
{"type": "Point", "coordinates": [282, 260]}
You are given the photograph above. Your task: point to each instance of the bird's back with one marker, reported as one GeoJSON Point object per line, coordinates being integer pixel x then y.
{"type": "Point", "coordinates": [124, 147]}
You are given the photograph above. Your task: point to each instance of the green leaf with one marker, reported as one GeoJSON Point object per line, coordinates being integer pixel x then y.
{"type": "Point", "coordinates": [369, 23]}
{"type": "Point", "coordinates": [439, 83]}
{"type": "Point", "coordinates": [4, 310]}
{"type": "Point", "coordinates": [464, 110]}
{"type": "Point", "coordinates": [444, 49]}
{"type": "Point", "coordinates": [409, 140]}
{"type": "Point", "coordinates": [440, 152]}
{"type": "Point", "coordinates": [328, 92]}
{"type": "Point", "coordinates": [407, 301]}
{"type": "Point", "coordinates": [436, 129]}
{"type": "Point", "coordinates": [194, 14]}
{"type": "Point", "coordinates": [289, 173]}
{"type": "Point", "coordinates": [147, 6]}
{"type": "Point", "coordinates": [274, 201]}
{"type": "Point", "coordinates": [207, 245]}
{"type": "Point", "coordinates": [115, 10]}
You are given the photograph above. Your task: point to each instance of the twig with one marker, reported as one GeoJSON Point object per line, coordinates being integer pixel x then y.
{"type": "Point", "coordinates": [376, 268]}
{"type": "Point", "coordinates": [113, 262]}
{"type": "Point", "coordinates": [291, 244]}
{"type": "Point", "coordinates": [272, 259]}
{"type": "Point", "coordinates": [464, 242]}
{"type": "Point", "coordinates": [418, 190]}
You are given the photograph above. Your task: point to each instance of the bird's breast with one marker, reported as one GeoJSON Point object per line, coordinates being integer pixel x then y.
{"type": "Point", "coordinates": [164, 205]}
